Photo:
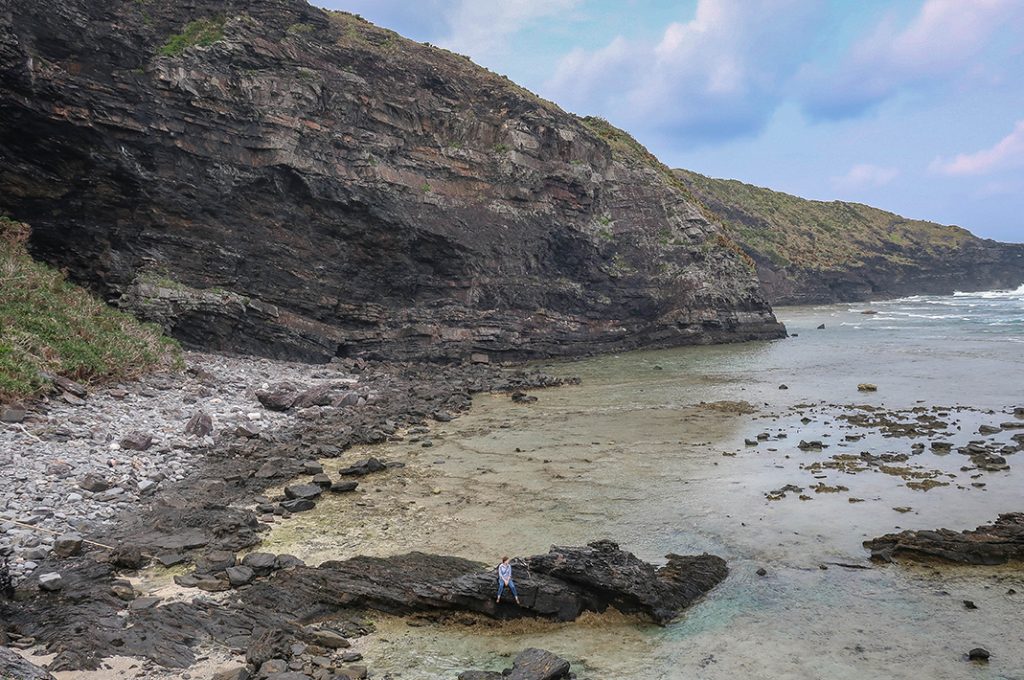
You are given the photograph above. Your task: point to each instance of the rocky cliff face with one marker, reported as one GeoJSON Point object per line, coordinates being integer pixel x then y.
{"type": "Point", "coordinates": [818, 252]}
{"type": "Point", "coordinates": [265, 176]}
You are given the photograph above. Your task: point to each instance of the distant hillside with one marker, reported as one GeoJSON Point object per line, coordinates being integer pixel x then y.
{"type": "Point", "coordinates": [815, 251]}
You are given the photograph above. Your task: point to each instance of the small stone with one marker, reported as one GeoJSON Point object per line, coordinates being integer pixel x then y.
{"type": "Point", "coordinates": [979, 654]}
{"type": "Point", "coordinates": [968, 604]}
{"type": "Point", "coordinates": [12, 414]}
{"type": "Point", "coordinates": [273, 666]}
{"type": "Point", "coordinates": [261, 563]}
{"type": "Point", "coordinates": [761, 571]}
{"type": "Point", "coordinates": [143, 603]}
{"type": "Point", "coordinates": [123, 590]}
{"type": "Point", "coordinates": [199, 425]}
{"type": "Point", "coordinates": [322, 480]}
{"type": "Point", "coordinates": [312, 467]}
{"type": "Point", "coordinates": [51, 582]}
{"type": "Point", "coordinates": [344, 487]}
{"type": "Point", "coordinates": [67, 545]}
{"type": "Point", "coordinates": [137, 441]}
{"type": "Point", "coordinates": [147, 486]}
{"type": "Point", "coordinates": [783, 387]}
{"type": "Point", "coordinates": [867, 387]}
{"type": "Point", "coordinates": [93, 483]}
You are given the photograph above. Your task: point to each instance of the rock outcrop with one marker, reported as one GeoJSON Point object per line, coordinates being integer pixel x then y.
{"type": "Point", "coordinates": [996, 543]}
{"type": "Point", "coordinates": [268, 177]}
{"type": "Point", "coordinates": [14, 666]}
{"type": "Point", "coordinates": [529, 664]}
{"type": "Point", "coordinates": [813, 252]}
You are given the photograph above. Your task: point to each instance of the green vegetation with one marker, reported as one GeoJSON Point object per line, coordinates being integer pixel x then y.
{"type": "Point", "coordinates": [48, 324]}
{"type": "Point", "coordinates": [202, 32]}
{"type": "Point", "coordinates": [788, 230]}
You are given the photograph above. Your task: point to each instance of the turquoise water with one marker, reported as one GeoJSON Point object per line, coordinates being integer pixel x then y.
{"type": "Point", "coordinates": [649, 450]}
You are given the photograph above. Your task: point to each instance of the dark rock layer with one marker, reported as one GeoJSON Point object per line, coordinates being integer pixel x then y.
{"type": "Point", "coordinates": [995, 543]}
{"type": "Point", "coordinates": [268, 177]}
{"type": "Point", "coordinates": [15, 667]}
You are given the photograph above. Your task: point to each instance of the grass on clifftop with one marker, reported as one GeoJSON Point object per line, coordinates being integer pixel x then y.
{"type": "Point", "coordinates": [819, 235]}
{"type": "Point", "coordinates": [48, 324]}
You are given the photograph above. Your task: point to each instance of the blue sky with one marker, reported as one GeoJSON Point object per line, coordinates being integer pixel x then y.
{"type": "Point", "coordinates": [915, 106]}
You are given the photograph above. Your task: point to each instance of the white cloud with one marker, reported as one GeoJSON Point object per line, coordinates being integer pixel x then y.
{"type": "Point", "coordinates": [718, 75]}
{"type": "Point", "coordinates": [865, 175]}
{"type": "Point", "coordinates": [481, 28]}
{"type": "Point", "coordinates": [939, 44]}
{"type": "Point", "coordinates": [1008, 152]}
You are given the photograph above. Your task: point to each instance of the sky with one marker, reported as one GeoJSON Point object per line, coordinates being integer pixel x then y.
{"type": "Point", "coordinates": [914, 106]}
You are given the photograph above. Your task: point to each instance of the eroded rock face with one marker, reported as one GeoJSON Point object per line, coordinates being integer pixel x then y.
{"type": "Point", "coordinates": [995, 543]}
{"type": "Point", "coordinates": [13, 665]}
{"type": "Point", "coordinates": [306, 185]}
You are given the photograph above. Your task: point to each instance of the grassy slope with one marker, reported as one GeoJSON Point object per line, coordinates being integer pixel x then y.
{"type": "Point", "coordinates": [48, 324]}
{"type": "Point", "coordinates": [818, 235]}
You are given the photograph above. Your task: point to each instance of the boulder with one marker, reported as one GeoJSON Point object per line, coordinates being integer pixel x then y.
{"type": "Point", "coordinates": [214, 561]}
{"type": "Point", "coordinates": [12, 414]}
{"type": "Point", "coordinates": [240, 575]}
{"type": "Point", "coordinates": [261, 563]}
{"type": "Point", "coordinates": [51, 582]}
{"type": "Point", "coordinates": [93, 483]}
{"type": "Point", "coordinates": [867, 387]}
{"type": "Point", "coordinates": [343, 487]}
{"type": "Point", "coordinates": [314, 396]}
{"type": "Point", "coordinates": [329, 639]}
{"type": "Point", "coordinates": [298, 505]}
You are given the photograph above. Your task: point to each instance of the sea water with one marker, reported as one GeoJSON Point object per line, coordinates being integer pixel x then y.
{"type": "Point", "coordinates": [650, 450]}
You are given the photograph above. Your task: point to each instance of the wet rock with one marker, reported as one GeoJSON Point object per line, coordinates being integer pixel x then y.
{"type": "Point", "coordinates": [810, 446]}
{"type": "Point", "coordinates": [137, 441]}
{"type": "Point", "coordinates": [199, 425]}
{"type": "Point", "coordinates": [969, 604]}
{"type": "Point", "coordinates": [762, 571]}
{"type": "Point", "coordinates": [988, 429]}
{"type": "Point", "coordinates": [867, 387]}
{"type": "Point", "coordinates": [363, 468]}
{"type": "Point", "coordinates": [995, 543]}
{"type": "Point", "coordinates": [979, 654]}
{"type": "Point", "coordinates": [307, 491]}
{"type": "Point", "coordinates": [989, 462]}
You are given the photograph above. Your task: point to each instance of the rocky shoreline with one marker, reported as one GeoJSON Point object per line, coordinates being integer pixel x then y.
{"type": "Point", "coordinates": [179, 470]}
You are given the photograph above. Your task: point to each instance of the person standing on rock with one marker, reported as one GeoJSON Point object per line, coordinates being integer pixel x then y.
{"type": "Point", "coordinates": [505, 579]}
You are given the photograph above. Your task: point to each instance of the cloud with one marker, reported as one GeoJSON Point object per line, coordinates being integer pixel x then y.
{"type": "Point", "coordinates": [865, 175]}
{"type": "Point", "coordinates": [481, 28]}
{"type": "Point", "coordinates": [938, 45]}
{"type": "Point", "coordinates": [1008, 152]}
{"type": "Point", "coordinates": [718, 75]}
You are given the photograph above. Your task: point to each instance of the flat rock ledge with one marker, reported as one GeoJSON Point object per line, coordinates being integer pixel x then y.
{"type": "Point", "coordinates": [996, 543]}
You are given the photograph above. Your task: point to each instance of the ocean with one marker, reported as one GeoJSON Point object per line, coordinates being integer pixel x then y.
{"type": "Point", "coordinates": [651, 451]}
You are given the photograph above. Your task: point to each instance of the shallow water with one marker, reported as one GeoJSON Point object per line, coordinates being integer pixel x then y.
{"type": "Point", "coordinates": [645, 452]}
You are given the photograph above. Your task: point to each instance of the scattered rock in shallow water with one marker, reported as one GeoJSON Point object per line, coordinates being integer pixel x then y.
{"type": "Point", "coordinates": [989, 544]}
{"type": "Point", "coordinates": [867, 387]}
{"type": "Point", "coordinates": [783, 387]}
{"type": "Point", "coordinates": [978, 654]}
{"type": "Point", "coordinates": [523, 398]}
{"type": "Point", "coordinates": [969, 604]}
{"type": "Point", "coordinates": [761, 571]}
{"type": "Point", "coordinates": [810, 446]}
{"type": "Point", "coordinates": [821, 327]}
{"type": "Point", "coordinates": [988, 429]}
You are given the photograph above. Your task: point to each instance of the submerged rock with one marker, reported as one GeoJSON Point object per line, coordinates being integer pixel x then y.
{"type": "Point", "coordinates": [529, 664]}
{"type": "Point", "coordinates": [995, 543]}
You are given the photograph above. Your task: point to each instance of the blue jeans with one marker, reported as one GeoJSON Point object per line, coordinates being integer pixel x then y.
{"type": "Point", "coordinates": [511, 586]}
